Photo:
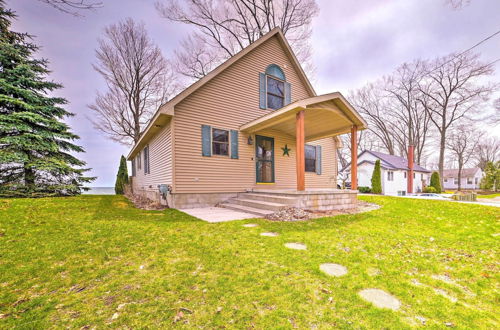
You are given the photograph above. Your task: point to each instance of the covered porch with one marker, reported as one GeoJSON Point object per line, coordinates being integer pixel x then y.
{"type": "Point", "coordinates": [312, 119]}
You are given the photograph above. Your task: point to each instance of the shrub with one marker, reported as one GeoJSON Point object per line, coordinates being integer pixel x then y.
{"type": "Point", "coordinates": [436, 182]}
{"type": "Point", "coordinates": [429, 189]}
{"type": "Point", "coordinates": [121, 177]}
{"type": "Point", "coordinates": [377, 179]}
{"type": "Point", "coordinates": [364, 190]}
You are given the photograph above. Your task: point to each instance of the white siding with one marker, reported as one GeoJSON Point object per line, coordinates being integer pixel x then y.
{"type": "Point", "coordinates": [449, 183]}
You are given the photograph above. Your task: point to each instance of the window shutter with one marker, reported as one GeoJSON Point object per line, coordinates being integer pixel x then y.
{"type": "Point", "coordinates": [206, 140]}
{"type": "Point", "coordinates": [133, 167]}
{"type": "Point", "coordinates": [234, 144]}
{"type": "Point", "coordinates": [262, 91]}
{"type": "Point", "coordinates": [145, 155]}
{"type": "Point", "coordinates": [318, 159]}
{"type": "Point", "coordinates": [288, 93]}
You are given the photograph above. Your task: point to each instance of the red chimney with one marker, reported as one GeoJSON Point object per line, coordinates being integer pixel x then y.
{"type": "Point", "coordinates": [410, 172]}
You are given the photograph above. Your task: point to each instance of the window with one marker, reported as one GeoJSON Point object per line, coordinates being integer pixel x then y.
{"type": "Point", "coordinates": [422, 176]}
{"type": "Point", "coordinates": [390, 176]}
{"type": "Point", "coordinates": [414, 175]}
{"type": "Point", "coordinates": [220, 142]}
{"type": "Point", "coordinates": [469, 180]}
{"type": "Point", "coordinates": [455, 180]}
{"type": "Point", "coordinates": [476, 180]}
{"type": "Point", "coordinates": [405, 174]}
{"type": "Point", "coordinates": [139, 161]}
{"type": "Point", "coordinates": [275, 93]}
{"type": "Point", "coordinates": [133, 167]}
{"type": "Point", "coordinates": [146, 160]}
{"type": "Point", "coordinates": [310, 153]}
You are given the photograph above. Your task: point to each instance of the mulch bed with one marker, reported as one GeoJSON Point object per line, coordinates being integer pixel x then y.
{"type": "Point", "coordinates": [296, 214]}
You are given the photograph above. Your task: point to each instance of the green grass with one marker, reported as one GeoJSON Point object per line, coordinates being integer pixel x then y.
{"type": "Point", "coordinates": [71, 262]}
{"type": "Point", "coordinates": [489, 196]}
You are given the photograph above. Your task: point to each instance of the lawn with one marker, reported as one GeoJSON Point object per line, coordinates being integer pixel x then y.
{"type": "Point", "coordinates": [489, 196]}
{"type": "Point", "coordinates": [96, 261]}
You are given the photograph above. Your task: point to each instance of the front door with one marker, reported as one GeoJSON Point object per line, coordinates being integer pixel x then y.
{"type": "Point", "coordinates": [264, 156]}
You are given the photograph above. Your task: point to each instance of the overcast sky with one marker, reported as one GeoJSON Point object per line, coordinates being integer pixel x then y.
{"type": "Point", "coordinates": [353, 42]}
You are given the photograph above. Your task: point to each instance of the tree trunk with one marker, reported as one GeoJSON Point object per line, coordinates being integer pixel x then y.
{"type": "Point", "coordinates": [459, 176]}
{"type": "Point", "coordinates": [29, 177]}
{"type": "Point", "coordinates": [442, 147]}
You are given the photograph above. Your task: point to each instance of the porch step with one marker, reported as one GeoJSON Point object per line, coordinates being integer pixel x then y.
{"type": "Point", "coordinates": [290, 201]}
{"type": "Point", "coordinates": [246, 209]}
{"type": "Point", "coordinates": [258, 204]}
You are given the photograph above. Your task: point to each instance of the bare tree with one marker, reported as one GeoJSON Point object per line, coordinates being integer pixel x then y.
{"type": "Point", "coordinates": [365, 141]}
{"type": "Point", "coordinates": [463, 142]}
{"type": "Point", "coordinates": [73, 6]}
{"type": "Point", "coordinates": [457, 4]}
{"type": "Point", "coordinates": [139, 80]}
{"type": "Point", "coordinates": [488, 150]}
{"type": "Point", "coordinates": [452, 92]}
{"type": "Point", "coordinates": [411, 120]}
{"type": "Point", "coordinates": [372, 104]}
{"type": "Point", "coordinates": [226, 27]}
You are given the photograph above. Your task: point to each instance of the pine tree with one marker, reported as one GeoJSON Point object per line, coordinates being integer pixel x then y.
{"type": "Point", "coordinates": [35, 143]}
{"type": "Point", "coordinates": [377, 178]}
{"type": "Point", "coordinates": [491, 178]}
{"type": "Point", "coordinates": [121, 176]}
{"type": "Point", "coordinates": [436, 182]}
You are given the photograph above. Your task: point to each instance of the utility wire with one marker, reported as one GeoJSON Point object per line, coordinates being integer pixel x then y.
{"type": "Point", "coordinates": [467, 50]}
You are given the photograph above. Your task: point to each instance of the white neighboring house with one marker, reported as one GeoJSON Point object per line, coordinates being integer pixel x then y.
{"type": "Point", "coordinates": [394, 170]}
{"type": "Point", "coordinates": [471, 178]}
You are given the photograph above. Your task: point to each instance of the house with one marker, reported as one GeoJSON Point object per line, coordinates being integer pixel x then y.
{"type": "Point", "coordinates": [471, 178]}
{"type": "Point", "coordinates": [252, 133]}
{"type": "Point", "coordinates": [395, 172]}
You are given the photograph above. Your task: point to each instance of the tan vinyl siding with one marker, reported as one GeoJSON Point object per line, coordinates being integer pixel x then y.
{"type": "Point", "coordinates": [160, 163]}
{"type": "Point", "coordinates": [228, 101]}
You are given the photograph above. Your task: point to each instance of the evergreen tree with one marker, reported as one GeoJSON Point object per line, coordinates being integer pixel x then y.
{"type": "Point", "coordinates": [491, 178]}
{"type": "Point", "coordinates": [121, 177]}
{"type": "Point", "coordinates": [35, 144]}
{"type": "Point", "coordinates": [436, 182]}
{"type": "Point", "coordinates": [377, 178]}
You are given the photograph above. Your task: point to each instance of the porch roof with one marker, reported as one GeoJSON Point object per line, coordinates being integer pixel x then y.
{"type": "Point", "coordinates": [326, 115]}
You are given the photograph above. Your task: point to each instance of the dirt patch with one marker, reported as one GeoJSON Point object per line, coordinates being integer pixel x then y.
{"type": "Point", "coordinates": [144, 203]}
{"type": "Point", "coordinates": [360, 208]}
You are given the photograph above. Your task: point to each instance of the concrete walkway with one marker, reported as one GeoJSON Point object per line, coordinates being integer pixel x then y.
{"type": "Point", "coordinates": [217, 214]}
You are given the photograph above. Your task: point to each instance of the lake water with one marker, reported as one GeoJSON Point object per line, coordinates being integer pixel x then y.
{"type": "Point", "coordinates": [100, 191]}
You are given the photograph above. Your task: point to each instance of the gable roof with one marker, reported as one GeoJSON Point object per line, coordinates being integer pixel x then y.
{"type": "Point", "coordinates": [466, 172]}
{"type": "Point", "coordinates": [390, 162]}
{"type": "Point", "coordinates": [167, 109]}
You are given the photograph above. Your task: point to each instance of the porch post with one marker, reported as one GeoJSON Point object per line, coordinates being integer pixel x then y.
{"type": "Point", "coordinates": [354, 158]}
{"type": "Point", "coordinates": [300, 155]}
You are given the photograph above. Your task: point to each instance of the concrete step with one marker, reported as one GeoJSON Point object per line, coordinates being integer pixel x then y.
{"type": "Point", "coordinates": [246, 209]}
{"type": "Point", "coordinates": [270, 198]}
{"type": "Point", "coordinates": [258, 204]}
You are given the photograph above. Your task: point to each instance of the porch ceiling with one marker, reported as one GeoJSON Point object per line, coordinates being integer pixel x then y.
{"type": "Point", "coordinates": [325, 116]}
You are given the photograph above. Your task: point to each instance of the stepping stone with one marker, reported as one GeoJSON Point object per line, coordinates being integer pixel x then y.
{"type": "Point", "coordinates": [333, 269]}
{"type": "Point", "coordinates": [380, 298]}
{"type": "Point", "coordinates": [296, 246]}
{"type": "Point", "coordinates": [250, 225]}
{"type": "Point", "coordinates": [269, 234]}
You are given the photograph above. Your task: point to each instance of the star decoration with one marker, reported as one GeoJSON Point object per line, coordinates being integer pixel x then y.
{"type": "Point", "coordinates": [286, 150]}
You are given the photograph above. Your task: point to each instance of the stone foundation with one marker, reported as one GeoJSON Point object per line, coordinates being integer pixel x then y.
{"type": "Point", "coordinates": [318, 199]}
{"type": "Point", "coordinates": [189, 201]}
{"type": "Point", "coordinates": [314, 200]}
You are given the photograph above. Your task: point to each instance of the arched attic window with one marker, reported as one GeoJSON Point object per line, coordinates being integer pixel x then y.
{"type": "Point", "coordinates": [275, 91]}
